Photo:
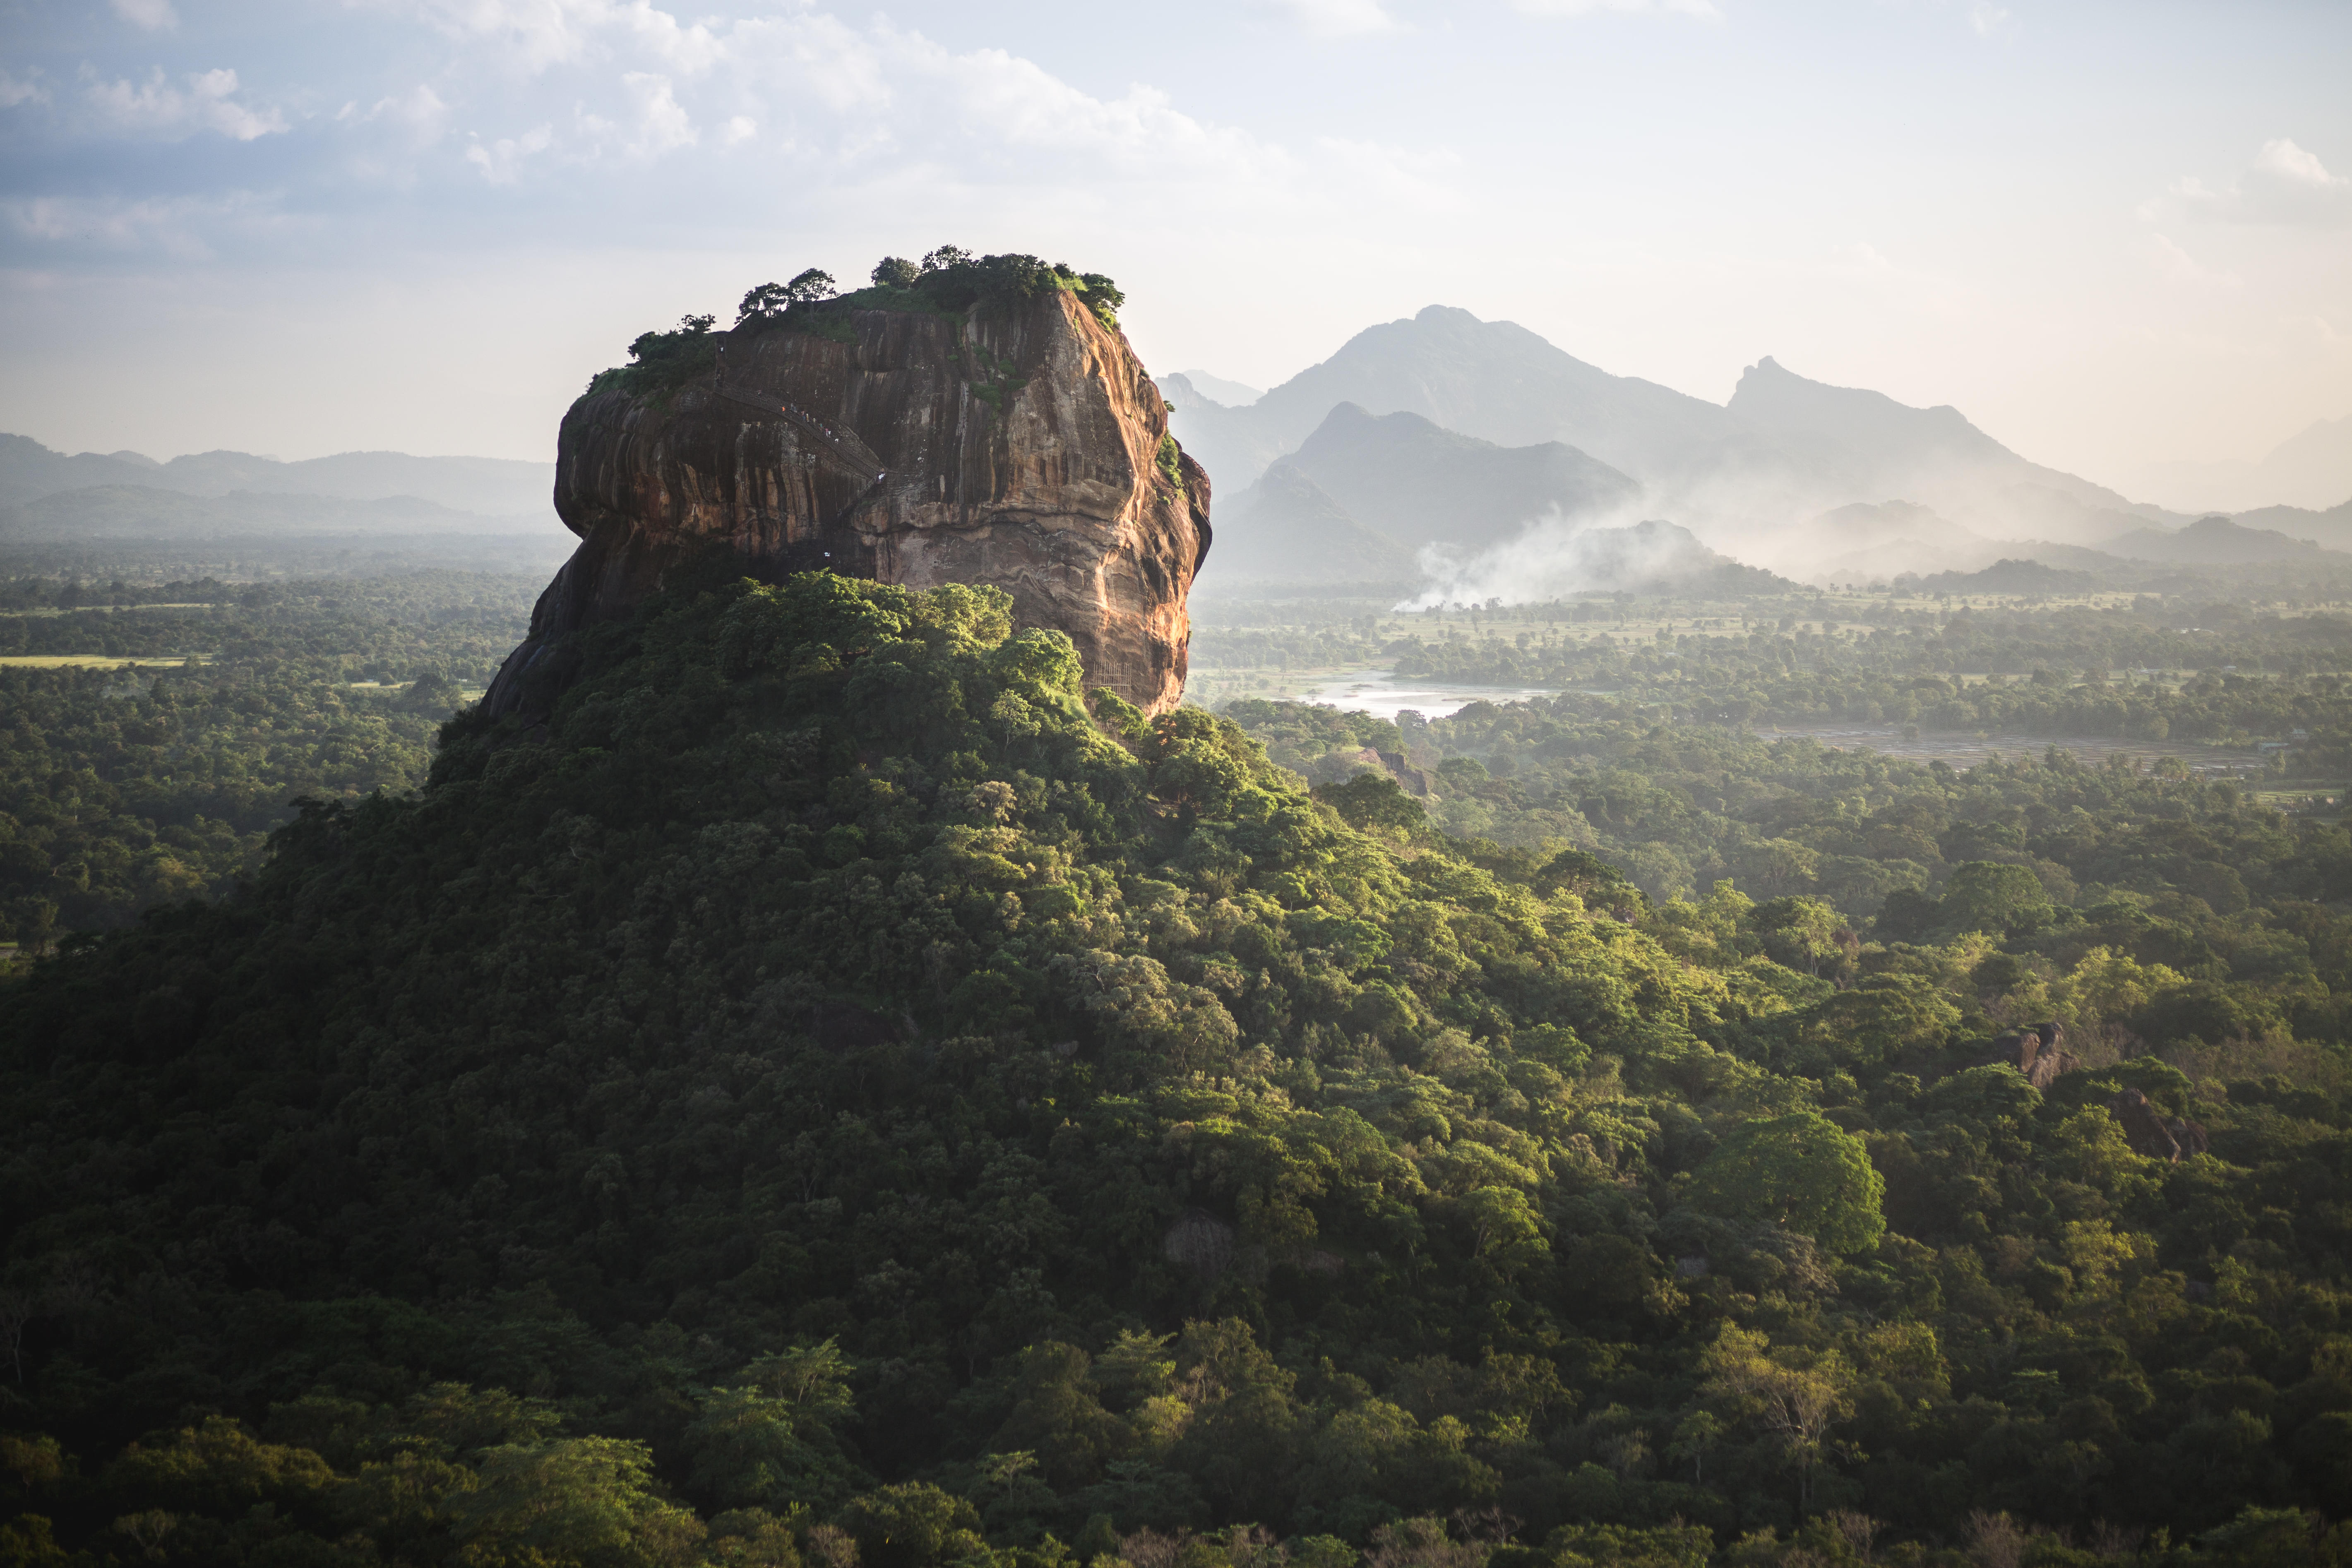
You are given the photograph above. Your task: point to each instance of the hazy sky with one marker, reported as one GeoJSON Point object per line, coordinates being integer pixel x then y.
{"type": "Point", "coordinates": [2112, 234]}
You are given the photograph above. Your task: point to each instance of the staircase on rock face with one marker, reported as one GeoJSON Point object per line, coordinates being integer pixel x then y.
{"type": "Point", "coordinates": [841, 443]}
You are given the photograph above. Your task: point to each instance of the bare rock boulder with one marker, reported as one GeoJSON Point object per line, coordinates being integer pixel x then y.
{"type": "Point", "coordinates": [2144, 1129]}
{"type": "Point", "coordinates": [1019, 444]}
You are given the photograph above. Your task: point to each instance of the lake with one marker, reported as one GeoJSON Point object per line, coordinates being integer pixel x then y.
{"type": "Point", "coordinates": [1384, 695]}
{"type": "Point", "coordinates": [1381, 694]}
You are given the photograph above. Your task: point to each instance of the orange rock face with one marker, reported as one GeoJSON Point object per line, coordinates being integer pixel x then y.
{"type": "Point", "coordinates": [1016, 446]}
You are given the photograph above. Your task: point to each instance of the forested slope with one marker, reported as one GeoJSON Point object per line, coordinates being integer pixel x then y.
{"type": "Point", "coordinates": [834, 1093]}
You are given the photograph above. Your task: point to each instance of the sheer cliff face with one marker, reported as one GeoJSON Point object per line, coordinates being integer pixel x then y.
{"type": "Point", "coordinates": [1014, 445]}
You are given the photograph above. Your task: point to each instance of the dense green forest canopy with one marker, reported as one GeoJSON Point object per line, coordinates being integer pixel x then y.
{"type": "Point", "coordinates": [839, 1093]}
{"type": "Point", "coordinates": [392, 628]}
{"type": "Point", "coordinates": [1679, 807]}
{"type": "Point", "coordinates": [123, 788]}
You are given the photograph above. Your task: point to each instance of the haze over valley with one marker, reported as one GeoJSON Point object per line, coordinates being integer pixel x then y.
{"type": "Point", "coordinates": [1498, 454]}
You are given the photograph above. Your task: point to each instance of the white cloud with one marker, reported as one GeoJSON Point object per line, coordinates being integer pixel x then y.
{"type": "Point", "coordinates": [867, 117]}
{"type": "Point", "coordinates": [2283, 160]}
{"type": "Point", "coordinates": [155, 16]}
{"type": "Point", "coordinates": [655, 124]}
{"type": "Point", "coordinates": [501, 162]}
{"type": "Point", "coordinates": [173, 226]}
{"type": "Point", "coordinates": [2284, 183]}
{"type": "Point", "coordinates": [803, 84]}
{"type": "Point", "coordinates": [16, 91]}
{"type": "Point", "coordinates": [544, 32]}
{"type": "Point", "coordinates": [1988, 19]}
{"type": "Point", "coordinates": [1704, 9]}
{"type": "Point", "coordinates": [2175, 265]}
{"type": "Point", "coordinates": [208, 104]}
{"type": "Point", "coordinates": [418, 113]}
{"type": "Point", "coordinates": [1336, 18]}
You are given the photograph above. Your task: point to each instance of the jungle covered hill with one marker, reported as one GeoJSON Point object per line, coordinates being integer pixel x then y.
{"type": "Point", "coordinates": [838, 1092]}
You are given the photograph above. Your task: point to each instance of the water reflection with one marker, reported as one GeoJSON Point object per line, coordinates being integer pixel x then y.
{"type": "Point", "coordinates": [1383, 695]}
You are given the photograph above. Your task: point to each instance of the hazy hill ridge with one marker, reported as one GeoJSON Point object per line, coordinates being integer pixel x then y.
{"type": "Point", "coordinates": [2311, 468]}
{"type": "Point", "coordinates": [1865, 441]}
{"type": "Point", "coordinates": [145, 512]}
{"type": "Point", "coordinates": [2215, 541]}
{"type": "Point", "coordinates": [1285, 529]}
{"type": "Point", "coordinates": [2331, 527]}
{"type": "Point", "coordinates": [1784, 448]}
{"type": "Point", "coordinates": [1420, 484]}
{"type": "Point", "coordinates": [1493, 379]}
{"type": "Point", "coordinates": [495, 486]}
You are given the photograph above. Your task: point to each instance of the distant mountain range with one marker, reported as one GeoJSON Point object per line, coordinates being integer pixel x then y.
{"type": "Point", "coordinates": [2331, 527]}
{"type": "Point", "coordinates": [1392, 503]}
{"type": "Point", "coordinates": [2312, 468]}
{"type": "Point", "coordinates": [488, 487]}
{"type": "Point", "coordinates": [2006, 576]}
{"type": "Point", "coordinates": [1784, 447]}
{"type": "Point", "coordinates": [1364, 493]}
{"type": "Point", "coordinates": [1420, 484]}
{"type": "Point", "coordinates": [1232, 393]}
{"type": "Point", "coordinates": [1284, 532]}
{"type": "Point", "coordinates": [1493, 379]}
{"type": "Point", "coordinates": [140, 511]}
{"type": "Point", "coordinates": [1446, 428]}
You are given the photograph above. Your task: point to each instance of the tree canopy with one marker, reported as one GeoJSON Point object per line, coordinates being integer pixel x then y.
{"type": "Point", "coordinates": [842, 1091]}
{"type": "Point", "coordinates": [1801, 1172]}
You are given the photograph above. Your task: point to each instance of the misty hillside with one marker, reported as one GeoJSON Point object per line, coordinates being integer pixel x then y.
{"type": "Point", "coordinates": [494, 487]}
{"type": "Point", "coordinates": [1556, 560]}
{"type": "Point", "coordinates": [1285, 529]}
{"type": "Point", "coordinates": [2216, 541]}
{"type": "Point", "coordinates": [1420, 484]}
{"type": "Point", "coordinates": [1366, 491]}
{"type": "Point", "coordinates": [1867, 541]}
{"type": "Point", "coordinates": [1215, 388]}
{"type": "Point", "coordinates": [2010, 576]}
{"type": "Point", "coordinates": [142, 511]}
{"type": "Point", "coordinates": [2047, 511]}
{"type": "Point", "coordinates": [1662, 558]}
{"type": "Point", "coordinates": [1850, 439]}
{"type": "Point", "coordinates": [1446, 429]}
{"type": "Point", "coordinates": [2311, 468]}
{"type": "Point", "coordinates": [2331, 527]}
{"type": "Point", "coordinates": [1784, 448]}
{"type": "Point", "coordinates": [1493, 379]}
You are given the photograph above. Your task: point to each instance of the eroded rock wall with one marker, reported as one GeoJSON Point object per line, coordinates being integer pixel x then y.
{"type": "Point", "coordinates": [1018, 446]}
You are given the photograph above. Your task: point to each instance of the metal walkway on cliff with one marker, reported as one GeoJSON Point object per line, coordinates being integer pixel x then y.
{"type": "Point", "coordinates": [842, 445]}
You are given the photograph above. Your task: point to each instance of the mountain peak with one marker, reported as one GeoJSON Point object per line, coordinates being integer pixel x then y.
{"type": "Point", "coordinates": [1773, 397]}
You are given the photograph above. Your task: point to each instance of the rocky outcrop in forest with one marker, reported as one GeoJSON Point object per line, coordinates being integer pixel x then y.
{"type": "Point", "coordinates": [1018, 443]}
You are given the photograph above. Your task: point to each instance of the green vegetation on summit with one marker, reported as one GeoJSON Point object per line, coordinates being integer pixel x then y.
{"type": "Point", "coordinates": [949, 282]}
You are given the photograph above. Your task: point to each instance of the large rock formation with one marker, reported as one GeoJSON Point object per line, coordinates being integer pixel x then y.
{"type": "Point", "coordinates": [2151, 1133]}
{"type": "Point", "coordinates": [2039, 1053]}
{"type": "Point", "coordinates": [1020, 445]}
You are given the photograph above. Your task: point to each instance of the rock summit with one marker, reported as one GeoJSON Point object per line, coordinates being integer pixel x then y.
{"type": "Point", "coordinates": [1018, 443]}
